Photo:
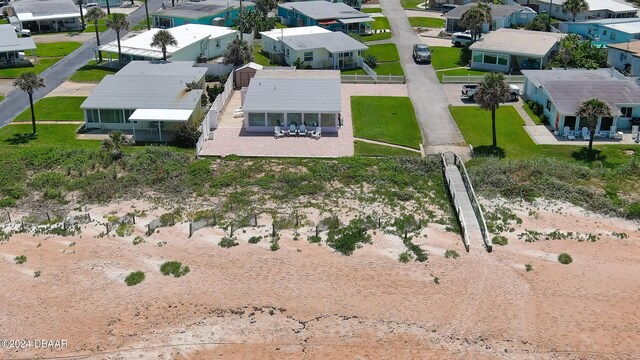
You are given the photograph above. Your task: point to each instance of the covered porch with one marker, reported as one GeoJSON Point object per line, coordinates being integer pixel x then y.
{"type": "Point", "coordinates": [157, 124]}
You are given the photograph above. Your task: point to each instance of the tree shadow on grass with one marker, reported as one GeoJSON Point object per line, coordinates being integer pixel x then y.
{"type": "Point", "coordinates": [489, 151]}
{"type": "Point", "coordinates": [465, 57]}
{"type": "Point", "coordinates": [584, 154]}
{"type": "Point", "coordinates": [21, 139]}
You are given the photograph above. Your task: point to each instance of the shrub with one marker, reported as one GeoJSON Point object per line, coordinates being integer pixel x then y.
{"type": "Point", "coordinates": [451, 254]}
{"type": "Point", "coordinates": [124, 230]}
{"type": "Point", "coordinates": [499, 240]}
{"type": "Point", "coordinates": [20, 259]}
{"type": "Point", "coordinates": [633, 211]}
{"type": "Point", "coordinates": [405, 257]}
{"type": "Point", "coordinates": [254, 239]}
{"type": "Point", "coordinates": [187, 135]}
{"type": "Point", "coordinates": [535, 107]}
{"type": "Point", "coordinates": [174, 268]}
{"type": "Point", "coordinates": [134, 278]}
{"type": "Point", "coordinates": [371, 60]}
{"type": "Point", "coordinates": [565, 258]}
{"type": "Point", "coordinates": [36, 273]}
{"type": "Point", "coordinates": [348, 238]}
{"type": "Point", "coordinates": [436, 280]}
{"type": "Point", "coordinates": [275, 246]}
{"type": "Point", "coordinates": [314, 239]}
{"type": "Point", "coordinates": [138, 240]}
{"type": "Point", "coordinates": [228, 242]}
{"type": "Point", "coordinates": [7, 202]}
{"type": "Point", "coordinates": [528, 267]}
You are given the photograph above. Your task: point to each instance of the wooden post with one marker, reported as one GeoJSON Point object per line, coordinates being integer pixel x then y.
{"type": "Point", "coordinates": [9, 216]}
{"type": "Point", "coordinates": [317, 231]}
{"type": "Point", "coordinates": [405, 235]}
{"type": "Point", "coordinates": [379, 222]}
{"type": "Point", "coordinates": [255, 220]}
{"type": "Point", "coordinates": [231, 230]}
{"type": "Point", "coordinates": [273, 229]}
{"type": "Point", "coordinates": [48, 218]}
{"type": "Point", "coordinates": [133, 218]}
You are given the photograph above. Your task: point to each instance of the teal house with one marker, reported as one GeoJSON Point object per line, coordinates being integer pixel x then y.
{"type": "Point", "coordinates": [208, 12]}
{"type": "Point", "coordinates": [327, 15]}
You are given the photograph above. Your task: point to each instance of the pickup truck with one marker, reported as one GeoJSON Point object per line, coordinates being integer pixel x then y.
{"type": "Point", "coordinates": [469, 91]}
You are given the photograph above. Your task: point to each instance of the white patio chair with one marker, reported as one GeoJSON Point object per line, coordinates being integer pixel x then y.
{"type": "Point", "coordinates": [303, 130]}
{"type": "Point", "coordinates": [292, 130]}
{"type": "Point", "coordinates": [566, 131]}
{"type": "Point", "coordinates": [613, 132]}
{"type": "Point", "coordinates": [278, 133]}
{"type": "Point", "coordinates": [586, 134]}
{"type": "Point", "coordinates": [597, 134]}
{"type": "Point", "coordinates": [634, 132]}
{"type": "Point", "coordinates": [317, 133]}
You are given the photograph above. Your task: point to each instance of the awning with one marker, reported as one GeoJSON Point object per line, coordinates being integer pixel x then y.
{"type": "Point", "coordinates": [356, 20]}
{"type": "Point", "coordinates": [327, 22]}
{"type": "Point", "coordinates": [170, 115]}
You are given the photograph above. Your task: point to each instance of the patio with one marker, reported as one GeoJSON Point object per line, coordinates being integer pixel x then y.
{"type": "Point", "coordinates": [542, 135]}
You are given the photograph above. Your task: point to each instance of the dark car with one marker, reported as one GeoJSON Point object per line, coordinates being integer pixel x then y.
{"type": "Point", "coordinates": [421, 53]}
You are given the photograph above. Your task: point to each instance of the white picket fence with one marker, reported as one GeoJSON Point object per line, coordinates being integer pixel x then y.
{"type": "Point", "coordinates": [372, 76]}
{"type": "Point", "coordinates": [210, 121]}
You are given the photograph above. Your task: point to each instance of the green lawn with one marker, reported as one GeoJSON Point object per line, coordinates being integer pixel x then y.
{"type": "Point", "coordinates": [91, 73]}
{"type": "Point", "coordinates": [102, 25]}
{"type": "Point", "coordinates": [384, 52]}
{"type": "Point", "coordinates": [280, 25]}
{"type": "Point", "coordinates": [42, 65]}
{"type": "Point", "coordinates": [381, 23]}
{"type": "Point", "coordinates": [410, 4]}
{"type": "Point", "coordinates": [58, 49]}
{"type": "Point", "coordinates": [1, 98]}
{"type": "Point", "coordinates": [376, 37]}
{"type": "Point", "coordinates": [426, 22]}
{"type": "Point", "coordinates": [459, 72]}
{"type": "Point", "coordinates": [142, 25]}
{"type": "Point", "coordinates": [260, 58]}
{"type": "Point", "coordinates": [57, 108]}
{"type": "Point", "coordinates": [446, 57]}
{"type": "Point", "coordinates": [388, 119]}
{"type": "Point", "coordinates": [49, 135]}
{"type": "Point", "coordinates": [533, 116]}
{"type": "Point", "coordinates": [362, 148]}
{"type": "Point", "coordinates": [389, 68]}
{"type": "Point", "coordinates": [371, 10]}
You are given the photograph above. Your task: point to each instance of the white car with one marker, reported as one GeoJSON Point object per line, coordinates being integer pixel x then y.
{"type": "Point", "coordinates": [460, 39]}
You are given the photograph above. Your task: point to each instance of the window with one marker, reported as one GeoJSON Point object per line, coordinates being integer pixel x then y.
{"type": "Point", "coordinates": [287, 52]}
{"type": "Point", "coordinates": [490, 59]}
{"type": "Point", "coordinates": [328, 120]}
{"type": "Point", "coordinates": [613, 35]}
{"type": "Point", "coordinates": [111, 116]}
{"type": "Point", "coordinates": [626, 111]}
{"type": "Point", "coordinates": [127, 114]}
{"type": "Point", "coordinates": [637, 37]}
{"type": "Point", "coordinates": [92, 116]}
{"type": "Point", "coordinates": [623, 56]}
{"type": "Point", "coordinates": [256, 119]}
{"type": "Point", "coordinates": [294, 118]}
{"type": "Point", "coordinates": [549, 105]}
{"type": "Point", "coordinates": [275, 119]}
{"type": "Point", "coordinates": [502, 60]}
{"type": "Point", "coordinates": [218, 43]}
{"type": "Point", "coordinates": [308, 56]}
{"type": "Point", "coordinates": [570, 121]}
{"type": "Point", "coordinates": [477, 57]}
{"type": "Point", "coordinates": [605, 123]}
{"type": "Point", "coordinates": [311, 119]}
{"type": "Point", "coordinates": [604, 32]}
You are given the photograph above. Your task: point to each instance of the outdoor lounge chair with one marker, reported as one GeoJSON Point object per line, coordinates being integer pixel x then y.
{"type": "Point", "coordinates": [634, 132]}
{"type": "Point", "coordinates": [278, 133]}
{"type": "Point", "coordinates": [613, 133]}
{"type": "Point", "coordinates": [292, 130]}
{"type": "Point", "coordinates": [303, 130]}
{"type": "Point", "coordinates": [568, 133]}
{"type": "Point", "coordinates": [586, 134]}
{"type": "Point", "coordinates": [597, 134]}
{"type": "Point", "coordinates": [317, 133]}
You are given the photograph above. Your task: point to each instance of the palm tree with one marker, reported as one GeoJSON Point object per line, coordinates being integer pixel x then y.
{"type": "Point", "coordinates": [29, 82]}
{"type": "Point", "coordinates": [592, 109]}
{"type": "Point", "coordinates": [472, 20]}
{"type": "Point", "coordinates": [486, 10]}
{"type": "Point", "coordinates": [492, 91]}
{"type": "Point", "coordinates": [162, 39]}
{"type": "Point", "coordinates": [118, 23]}
{"type": "Point", "coordinates": [255, 21]}
{"type": "Point", "coordinates": [108, 8]}
{"type": "Point", "coordinates": [264, 6]}
{"type": "Point", "coordinates": [575, 7]}
{"type": "Point", "coordinates": [80, 3]}
{"type": "Point", "coordinates": [94, 15]}
{"type": "Point", "coordinates": [238, 52]}
{"type": "Point", "coordinates": [114, 143]}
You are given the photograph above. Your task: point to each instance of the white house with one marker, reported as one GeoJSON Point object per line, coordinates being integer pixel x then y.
{"type": "Point", "coordinates": [560, 92]}
{"type": "Point", "coordinates": [509, 50]}
{"type": "Point", "coordinates": [147, 99]}
{"type": "Point", "coordinates": [12, 46]}
{"type": "Point", "coordinates": [44, 15]}
{"type": "Point", "coordinates": [625, 57]}
{"type": "Point", "coordinates": [314, 46]}
{"type": "Point", "coordinates": [285, 97]}
{"type": "Point", "coordinates": [503, 16]}
{"type": "Point", "coordinates": [598, 9]}
{"type": "Point", "coordinates": [194, 41]}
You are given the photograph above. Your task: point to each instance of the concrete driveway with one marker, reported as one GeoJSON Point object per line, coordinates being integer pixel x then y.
{"type": "Point", "coordinates": [454, 95]}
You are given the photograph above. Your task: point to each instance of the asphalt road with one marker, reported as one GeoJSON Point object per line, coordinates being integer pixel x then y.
{"type": "Point", "coordinates": [425, 91]}
{"type": "Point", "coordinates": [17, 101]}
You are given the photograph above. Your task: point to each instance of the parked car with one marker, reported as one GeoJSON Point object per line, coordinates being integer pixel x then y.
{"type": "Point", "coordinates": [461, 38]}
{"type": "Point", "coordinates": [90, 5]}
{"type": "Point", "coordinates": [469, 91]}
{"type": "Point", "coordinates": [448, 7]}
{"type": "Point", "coordinates": [421, 53]}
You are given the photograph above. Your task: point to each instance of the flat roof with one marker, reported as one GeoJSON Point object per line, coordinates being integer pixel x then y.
{"type": "Point", "coordinates": [538, 77]}
{"type": "Point", "coordinates": [627, 27]}
{"type": "Point", "coordinates": [632, 47]}
{"type": "Point", "coordinates": [332, 41]}
{"type": "Point", "coordinates": [568, 94]}
{"type": "Point", "coordinates": [497, 11]}
{"type": "Point", "coordinates": [276, 34]}
{"type": "Point", "coordinates": [598, 5]}
{"type": "Point", "coordinates": [320, 10]}
{"type": "Point", "coordinates": [517, 42]}
{"type": "Point", "coordinates": [162, 68]}
{"type": "Point", "coordinates": [294, 91]}
{"type": "Point", "coordinates": [185, 35]}
{"type": "Point", "coordinates": [9, 40]}
{"type": "Point", "coordinates": [198, 10]}
{"type": "Point", "coordinates": [177, 115]}
{"type": "Point", "coordinates": [44, 8]}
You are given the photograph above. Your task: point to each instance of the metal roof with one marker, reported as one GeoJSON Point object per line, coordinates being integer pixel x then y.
{"type": "Point", "coordinates": [568, 94]}
{"type": "Point", "coordinates": [276, 34]}
{"type": "Point", "coordinates": [44, 7]}
{"type": "Point", "coordinates": [598, 5]}
{"type": "Point", "coordinates": [332, 41]}
{"type": "Point", "coordinates": [627, 27]}
{"type": "Point", "coordinates": [161, 68]}
{"type": "Point", "coordinates": [320, 10]}
{"type": "Point", "coordinates": [198, 10]}
{"type": "Point", "coordinates": [185, 35]}
{"type": "Point", "coordinates": [517, 42]}
{"type": "Point", "coordinates": [161, 115]}
{"type": "Point", "coordinates": [538, 77]}
{"type": "Point", "coordinates": [632, 47]}
{"type": "Point", "coordinates": [9, 40]}
{"type": "Point", "coordinates": [497, 11]}
{"type": "Point", "coordinates": [292, 91]}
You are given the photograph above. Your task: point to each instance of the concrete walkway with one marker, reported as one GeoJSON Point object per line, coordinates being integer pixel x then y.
{"type": "Point", "coordinates": [427, 96]}
{"type": "Point", "coordinates": [387, 144]}
{"type": "Point", "coordinates": [45, 122]}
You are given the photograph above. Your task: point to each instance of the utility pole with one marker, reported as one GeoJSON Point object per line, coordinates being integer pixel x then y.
{"type": "Point", "coordinates": [241, 20]}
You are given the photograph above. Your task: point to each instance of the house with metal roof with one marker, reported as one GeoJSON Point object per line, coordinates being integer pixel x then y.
{"type": "Point", "coordinates": [124, 101]}
{"type": "Point", "coordinates": [625, 57]}
{"type": "Point", "coordinates": [503, 16]}
{"type": "Point", "coordinates": [285, 97]}
{"type": "Point", "coordinates": [331, 16]}
{"type": "Point", "coordinates": [508, 50]}
{"type": "Point", "coordinates": [312, 46]}
{"type": "Point", "coordinates": [604, 31]}
{"type": "Point", "coordinates": [12, 47]}
{"type": "Point", "coordinates": [195, 42]}
{"type": "Point", "coordinates": [560, 92]}
{"type": "Point", "coordinates": [598, 9]}
{"type": "Point", "coordinates": [40, 16]}
{"type": "Point", "coordinates": [207, 12]}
